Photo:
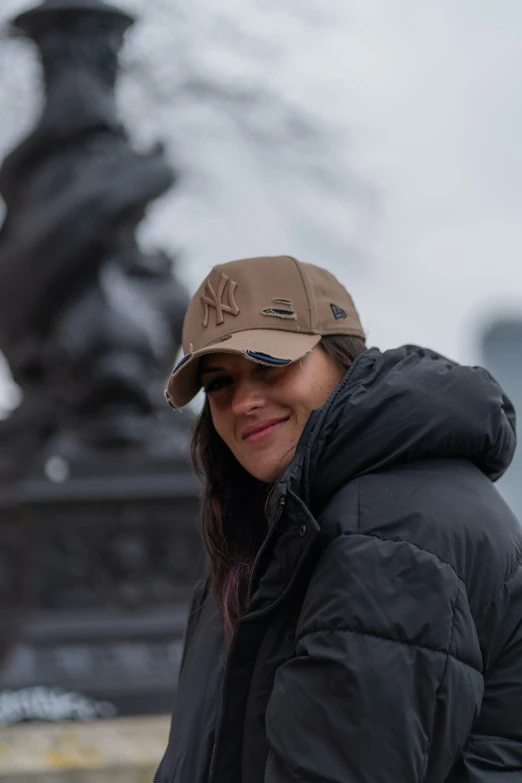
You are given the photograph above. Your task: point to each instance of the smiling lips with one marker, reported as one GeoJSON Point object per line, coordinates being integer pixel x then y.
{"type": "Point", "coordinates": [257, 431]}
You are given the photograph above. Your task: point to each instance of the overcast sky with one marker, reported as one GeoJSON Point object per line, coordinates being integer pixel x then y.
{"type": "Point", "coordinates": [424, 100]}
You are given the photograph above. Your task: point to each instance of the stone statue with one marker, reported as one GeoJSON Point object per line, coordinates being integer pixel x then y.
{"type": "Point", "coordinates": [98, 546]}
{"type": "Point", "coordinates": [89, 324]}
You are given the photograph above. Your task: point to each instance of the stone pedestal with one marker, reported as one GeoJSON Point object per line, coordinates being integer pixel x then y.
{"type": "Point", "coordinates": [95, 575]}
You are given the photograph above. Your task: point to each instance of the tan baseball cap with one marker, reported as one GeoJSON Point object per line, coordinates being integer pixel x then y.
{"type": "Point", "coordinates": [272, 310]}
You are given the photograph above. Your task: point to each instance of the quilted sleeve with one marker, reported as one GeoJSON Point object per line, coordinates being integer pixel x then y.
{"type": "Point", "coordinates": [494, 748]}
{"type": "Point", "coordinates": [386, 678]}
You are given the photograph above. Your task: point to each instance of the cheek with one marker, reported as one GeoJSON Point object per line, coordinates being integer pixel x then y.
{"type": "Point", "coordinates": [303, 396]}
{"type": "Point", "coordinates": [221, 423]}
{"type": "Point", "coordinates": [321, 392]}
{"type": "Point", "coordinates": [294, 400]}
{"type": "Point", "coordinates": [311, 390]}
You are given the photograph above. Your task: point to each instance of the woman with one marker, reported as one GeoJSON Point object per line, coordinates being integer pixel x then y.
{"type": "Point", "coordinates": [361, 620]}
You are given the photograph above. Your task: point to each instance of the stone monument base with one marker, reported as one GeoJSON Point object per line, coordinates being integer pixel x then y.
{"type": "Point", "coordinates": [96, 572]}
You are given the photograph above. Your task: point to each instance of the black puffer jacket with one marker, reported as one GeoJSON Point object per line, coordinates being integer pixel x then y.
{"type": "Point", "coordinates": [383, 639]}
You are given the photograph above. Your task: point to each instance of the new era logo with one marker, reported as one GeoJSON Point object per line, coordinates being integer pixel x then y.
{"type": "Point", "coordinates": [338, 312]}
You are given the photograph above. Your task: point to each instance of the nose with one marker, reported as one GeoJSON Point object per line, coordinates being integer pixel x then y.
{"type": "Point", "coordinates": [247, 397]}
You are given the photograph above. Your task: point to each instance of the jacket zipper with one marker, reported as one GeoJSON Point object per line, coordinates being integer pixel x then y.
{"type": "Point", "coordinates": [183, 648]}
{"type": "Point", "coordinates": [262, 549]}
{"type": "Point", "coordinates": [249, 596]}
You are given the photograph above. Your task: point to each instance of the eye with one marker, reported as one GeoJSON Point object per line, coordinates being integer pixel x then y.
{"type": "Point", "coordinates": [262, 369]}
{"type": "Point", "coordinates": [217, 383]}
{"type": "Point", "coordinates": [269, 372]}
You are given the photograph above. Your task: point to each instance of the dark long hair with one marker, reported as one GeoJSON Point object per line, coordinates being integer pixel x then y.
{"type": "Point", "coordinates": [233, 503]}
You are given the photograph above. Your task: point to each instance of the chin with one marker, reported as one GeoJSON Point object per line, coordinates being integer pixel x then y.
{"type": "Point", "coordinates": [259, 472]}
{"type": "Point", "coordinates": [270, 471]}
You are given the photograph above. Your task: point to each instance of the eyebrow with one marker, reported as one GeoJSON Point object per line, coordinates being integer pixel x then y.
{"type": "Point", "coordinates": [212, 369]}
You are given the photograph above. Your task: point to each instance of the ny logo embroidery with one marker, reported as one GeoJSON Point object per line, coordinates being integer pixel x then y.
{"type": "Point", "coordinates": [217, 300]}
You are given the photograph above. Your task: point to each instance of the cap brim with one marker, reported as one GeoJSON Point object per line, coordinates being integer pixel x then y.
{"type": "Point", "coordinates": [264, 346]}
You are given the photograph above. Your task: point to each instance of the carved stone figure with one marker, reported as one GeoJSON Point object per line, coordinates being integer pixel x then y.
{"type": "Point", "coordinates": [88, 323]}
{"type": "Point", "coordinates": [98, 546]}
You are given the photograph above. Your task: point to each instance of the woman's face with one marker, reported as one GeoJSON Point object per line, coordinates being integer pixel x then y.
{"type": "Point", "coordinates": [260, 412]}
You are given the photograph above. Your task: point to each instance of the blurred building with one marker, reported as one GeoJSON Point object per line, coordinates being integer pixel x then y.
{"type": "Point", "coordinates": [502, 350]}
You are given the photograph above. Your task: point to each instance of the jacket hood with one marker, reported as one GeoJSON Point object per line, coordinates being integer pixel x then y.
{"type": "Point", "coordinates": [404, 405]}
